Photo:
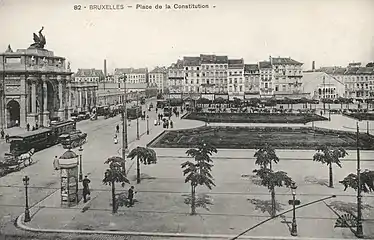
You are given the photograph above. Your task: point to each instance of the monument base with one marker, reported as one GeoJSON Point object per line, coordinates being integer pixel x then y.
{"type": "Point", "coordinates": [61, 114]}
{"type": "Point", "coordinates": [32, 119]}
{"type": "Point", "coordinates": [46, 121]}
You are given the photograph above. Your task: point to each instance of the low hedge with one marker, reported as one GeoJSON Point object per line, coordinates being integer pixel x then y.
{"type": "Point", "coordinates": [255, 137]}
{"type": "Point", "coordinates": [255, 117]}
{"type": "Point", "coordinates": [361, 116]}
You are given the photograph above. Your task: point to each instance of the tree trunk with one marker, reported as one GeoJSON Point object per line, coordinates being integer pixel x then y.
{"type": "Point", "coordinates": [114, 209]}
{"type": "Point", "coordinates": [273, 203]}
{"type": "Point", "coordinates": [193, 200]}
{"type": "Point", "coordinates": [331, 184]}
{"type": "Point", "coordinates": [137, 170]}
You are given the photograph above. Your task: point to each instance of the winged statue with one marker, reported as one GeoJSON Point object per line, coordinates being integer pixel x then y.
{"type": "Point", "coordinates": [39, 41]}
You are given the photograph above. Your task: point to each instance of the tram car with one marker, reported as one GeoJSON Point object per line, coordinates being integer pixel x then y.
{"type": "Point", "coordinates": [73, 139]}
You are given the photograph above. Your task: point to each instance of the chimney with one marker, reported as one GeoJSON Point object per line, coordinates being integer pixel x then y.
{"type": "Point", "coordinates": [105, 68]}
{"type": "Point", "coordinates": [313, 66]}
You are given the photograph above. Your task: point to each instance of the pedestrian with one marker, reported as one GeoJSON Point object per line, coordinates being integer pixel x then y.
{"type": "Point", "coordinates": [28, 126]}
{"type": "Point", "coordinates": [115, 139]}
{"type": "Point", "coordinates": [56, 164]}
{"type": "Point", "coordinates": [86, 188]}
{"type": "Point", "coordinates": [33, 128]}
{"type": "Point", "coordinates": [117, 128]}
{"type": "Point", "coordinates": [171, 124]}
{"type": "Point", "coordinates": [167, 123]}
{"type": "Point", "coordinates": [7, 138]}
{"type": "Point", "coordinates": [36, 126]}
{"type": "Point", "coordinates": [2, 133]}
{"type": "Point", "coordinates": [155, 122]}
{"type": "Point", "coordinates": [130, 196]}
{"type": "Point", "coordinates": [156, 109]}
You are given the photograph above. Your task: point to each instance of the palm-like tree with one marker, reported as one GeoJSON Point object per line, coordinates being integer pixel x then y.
{"type": "Point", "coordinates": [114, 174]}
{"type": "Point", "coordinates": [328, 156]}
{"type": "Point", "coordinates": [265, 157]}
{"type": "Point", "coordinates": [198, 173]}
{"type": "Point", "coordinates": [366, 181]}
{"type": "Point", "coordinates": [143, 155]}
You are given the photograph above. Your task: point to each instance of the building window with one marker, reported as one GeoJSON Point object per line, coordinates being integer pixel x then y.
{"type": "Point", "coordinates": [197, 68]}
{"type": "Point", "coordinates": [276, 88]}
{"type": "Point", "coordinates": [197, 75]}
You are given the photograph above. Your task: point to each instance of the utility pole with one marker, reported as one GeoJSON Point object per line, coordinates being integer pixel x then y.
{"type": "Point", "coordinates": [124, 124]}
{"type": "Point", "coordinates": [359, 231]}
{"type": "Point", "coordinates": [137, 117]}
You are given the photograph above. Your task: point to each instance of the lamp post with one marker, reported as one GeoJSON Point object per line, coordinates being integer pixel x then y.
{"type": "Point", "coordinates": [137, 116]}
{"type": "Point", "coordinates": [293, 225]}
{"type": "Point", "coordinates": [329, 113]}
{"type": "Point", "coordinates": [80, 164]}
{"type": "Point", "coordinates": [359, 231]}
{"type": "Point", "coordinates": [27, 211]}
{"type": "Point", "coordinates": [124, 123]}
{"type": "Point", "coordinates": [147, 125]}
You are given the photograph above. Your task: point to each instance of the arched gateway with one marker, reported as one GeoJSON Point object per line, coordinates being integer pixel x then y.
{"type": "Point", "coordinates": [13, 113]}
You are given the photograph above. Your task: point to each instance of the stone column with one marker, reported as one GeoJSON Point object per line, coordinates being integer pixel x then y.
{"type": "Point", "coordinates": [68, 100]}
{"type": "Point", "coordinates": [80, 100]}
{"type": "Point", "coordinates": [86, 100]}
{"type": "Point", "coordinates": [23, 103]}
{"type": "Point", "coordinates": [45, 113]}
{"type": "Point", "coordinates": [61, 110]}
{"type": "Point", "coordinates": [32, 115]}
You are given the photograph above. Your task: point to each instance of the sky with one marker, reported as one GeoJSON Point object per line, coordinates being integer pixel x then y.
{"type": "Point", "coordinates": [329, 32]}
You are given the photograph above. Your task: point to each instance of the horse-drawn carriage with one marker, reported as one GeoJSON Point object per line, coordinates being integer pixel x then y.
{"type": "Point", "coordinates": [14, 161]}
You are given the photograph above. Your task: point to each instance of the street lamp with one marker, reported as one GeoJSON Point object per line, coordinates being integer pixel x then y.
{"type": "Point", "coordinates": [80, 164]}
{"type": "Point", "coordinates": [359, 229]}
{"type": "Point", "coordinates": [137, 116]}
{"type": "Point", "coordinates": [27, 211]}
{"type": "Point", "coordinates": [329, 113]}
{"type": "Point", "coordinates": [147, 125]}
{"type": "Point", "coordinates": [293, 225]}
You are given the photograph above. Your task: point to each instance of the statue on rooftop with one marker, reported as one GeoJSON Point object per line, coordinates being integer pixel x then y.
{"type": "Point", "coordinates": [39, 41]}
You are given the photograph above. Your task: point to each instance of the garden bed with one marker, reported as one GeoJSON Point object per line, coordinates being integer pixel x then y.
{"type": "Point", "coordinates": [255, 117]}
{"type": "Point", "coordinates": [255, 137]}
{"type": "Point", "coordinates": [361, 116]}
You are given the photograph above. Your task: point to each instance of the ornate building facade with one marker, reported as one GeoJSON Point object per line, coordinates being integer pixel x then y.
{"type": "Point", "coordinates": [35, 86]}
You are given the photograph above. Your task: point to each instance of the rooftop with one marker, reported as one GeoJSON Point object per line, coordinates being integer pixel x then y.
{"type": "Point", "coordinates": [82, 72]}
{"type": "Point", "coordinates": [284, 61]}
{"type": "Point", "coordinates": [159, 70]}
{"type": "Point", "coordinates": [130, 70]}
{"type": "Point", "coordinates": [264, 64]}
{"type": "Point", "coordinates": [191, 61]}
{"type": "Point", "coordinates": [206, 59]}
{"type": "Point", "coordinates": [251, 67]}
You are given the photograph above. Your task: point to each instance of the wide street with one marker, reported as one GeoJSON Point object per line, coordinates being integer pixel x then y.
{"type": "Point", "coordinates": [44, 180]}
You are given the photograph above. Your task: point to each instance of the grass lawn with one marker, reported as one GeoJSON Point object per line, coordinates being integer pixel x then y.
{"type": "Point", "coordinates": [255, 137]}
{"type": "Point", "coordinates": [256, 117]}
{"type": "Point", "coordinates": [361, 116]}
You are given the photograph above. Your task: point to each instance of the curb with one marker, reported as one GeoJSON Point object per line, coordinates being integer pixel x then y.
{"type": "Point", "coordinates": [21, 225]}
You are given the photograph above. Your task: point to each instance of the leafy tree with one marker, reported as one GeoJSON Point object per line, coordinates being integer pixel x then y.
{"type": "Point", "coordinates": [328, 156]}
{"type": "Point", "coordinates": [114, 174]}
{"type": "Point", "coordinates": [198, 172]}
{"type": "Point", "coordinates": [366, 181]}
{"type": "Point", "coordinates": [264, 158]}
{"type": "Point", "coordinates": [143, 155]}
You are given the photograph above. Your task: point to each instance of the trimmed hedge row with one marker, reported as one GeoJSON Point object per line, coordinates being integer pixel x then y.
{"type": "Point", "coordinates": [255, 137]}
{"type": "Point", "coordinates": [255, 117]}
{"type": "Point", "coordinates": [361, 116]}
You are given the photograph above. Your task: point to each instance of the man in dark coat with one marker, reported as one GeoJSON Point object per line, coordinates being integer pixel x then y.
{"type": "Point", "coordinates": [117, 128]}
{"type": "Point", "coordinates": [2, 133]}
{"type": "Point", "coordinates": [28, 126]}
{"type": "Point", "coordinates": [86, 188]}
{"type": "Point", "coordinates": [130, 196]}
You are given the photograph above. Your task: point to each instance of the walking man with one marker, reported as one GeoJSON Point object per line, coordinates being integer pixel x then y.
{"type": "Point", "coordinates": [130, 196]}
{"type": "Point", "coordinates": [2, 133]}
{"type": "Point", "coordinates": [117, 128]}
{"type": "Point", "coordinates": [86, 189]}
{"type": "Point", "coordinates": [56, 164]}
{"type": "Point", "coordinates": [28, 126]}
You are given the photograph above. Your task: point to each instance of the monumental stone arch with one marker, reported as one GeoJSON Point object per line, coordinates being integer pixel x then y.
{"type": "Point", "coordinates": [35, 86]}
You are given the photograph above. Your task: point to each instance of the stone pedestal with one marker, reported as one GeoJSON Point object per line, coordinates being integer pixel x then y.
{"type": "Point", "coordinates": [61, 114]}
{"type": "Point", "coordinates": [46, 120]}
{"type": "Point", "coordinates": [32, 119]}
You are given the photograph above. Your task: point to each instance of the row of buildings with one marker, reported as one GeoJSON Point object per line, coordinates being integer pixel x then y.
{"type": "Point", "coordinates": [36, 86]}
